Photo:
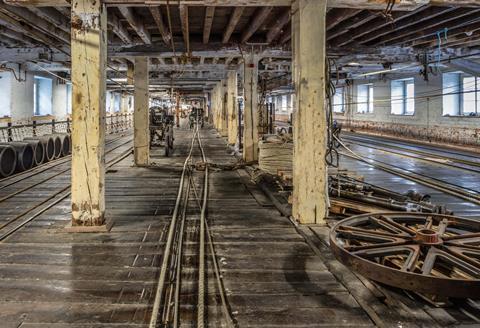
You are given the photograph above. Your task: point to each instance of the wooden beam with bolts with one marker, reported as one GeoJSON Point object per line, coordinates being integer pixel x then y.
{"type": "Point", "coordinates": [207, 24]}
{"type": "Point", "coordinates": [256, 22]}
{"type": "Point", "coordinates": [183, 10]}
{"type": "Point", "coordinates": [157, 17]}
{"type": "Point", "coordinates": [136, 24]}
{"type": "Point", "coordinates": [234, 18]}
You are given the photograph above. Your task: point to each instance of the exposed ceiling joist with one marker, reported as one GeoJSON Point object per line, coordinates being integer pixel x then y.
{"type": "Point", "coordinates": [52, 16]}
{"type": "Point", "coordinates": [401, 5]}
{"type": "Point", "coordinates": [29, 18]}
{"type": "Point", "coordinates": [136, 24]}
{"type": "Point", "coordinates": [339, 16]}
{"type": "Point", "coordinates": [207, 23]}
{"type": "Point", "coordinates": [118, 28]}
{"type": "Point", "coordinates": [183, 11]}
{"type": "Point", "coordinates": [33, 33]}
{"type": "Point", "coordinates": [276, 29]}
{"type": "Point", "coordinates": [255, 23]}
{"type": "Point", "coordinates": [162, 28]}
{"type": "Point", "coordinates": [234, 18]}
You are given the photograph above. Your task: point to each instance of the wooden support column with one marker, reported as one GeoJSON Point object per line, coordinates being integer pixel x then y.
{"type": "Point", "coordinates": [310, 125]}
{"type": "Point", "coordinates": [223, 109]}
{"type": "Point", "coordinates": [141, 142]}
{"type": "Point", "coordinates": [232, 107]}
{"type": "Point", "coordinates": [250, 111]}
{"type": "Point", "coordinates": [124, 103]}
{"type": "Point", "coordinates": [130, 72]}
{"type": "Point", "coordinates": [89, 59]}
{"type": "Point", "coordinates": [215, 107]}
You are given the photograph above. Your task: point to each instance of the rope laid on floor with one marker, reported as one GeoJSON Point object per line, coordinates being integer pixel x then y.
{"type": "Point", "coordinates": [275, 154]}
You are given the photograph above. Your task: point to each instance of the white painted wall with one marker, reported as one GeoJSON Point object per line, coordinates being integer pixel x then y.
{"type": "Point", "coordinates": [428, 119]}
{"type": "Point", "coordinates": [22, 99]}
{"type": "Point", "coordinates": [60, 101]}
{"type": "Point", "coordinates": [5, 94]}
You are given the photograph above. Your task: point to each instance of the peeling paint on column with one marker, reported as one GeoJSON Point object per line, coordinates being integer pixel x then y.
{"type": "Point", "coordinates": [88, 112]}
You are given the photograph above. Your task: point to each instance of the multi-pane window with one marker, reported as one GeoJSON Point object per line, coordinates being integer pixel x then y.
{"type": "Point", "coordinates": [403, 97]}
{"type": "Point", "coordinates": [365, 98]}
{"type": "Point", "coordinates": [451, 94]}
{"type": "Point", "coordinates": [69, 98]}
{"type": "Point", "coordinates": [338, 101]}
{"type": "Point", "coordinates": [471, 95]}
{"type": "Point", "coordinates": [461, 94]}
{"type": "Point", "coordinates": [42, 96]}
{"type": "Point", "coordinates": [5, 94]}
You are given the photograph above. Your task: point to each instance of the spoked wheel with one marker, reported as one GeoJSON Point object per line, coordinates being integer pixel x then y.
{"type": "Point", "coordinates": [427, 253]}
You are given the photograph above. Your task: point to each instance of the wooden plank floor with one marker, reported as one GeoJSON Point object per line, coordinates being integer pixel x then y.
{"type": "Point", "coordinates": [274, 276]}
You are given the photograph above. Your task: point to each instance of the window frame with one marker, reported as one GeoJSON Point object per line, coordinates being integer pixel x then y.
{"type": "Point", "coordinates": [476, 93]}
{"type": "Point", "coordinates": [370, 98]}
{"type": "Point", "coordinates": [342, 105]}
{"type": "Point", "coordinates": [37, 95]}
{"type": "Point", "coordinates": [405, 98]}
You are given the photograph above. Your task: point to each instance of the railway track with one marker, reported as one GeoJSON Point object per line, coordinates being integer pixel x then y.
{"type": "Point", "coordinates": [447, 158]}
{"type": "Point", "coordinates": [468, 194]}
{"type": "Point", "coordinates": [24, 216]}
{"type": "Point", "coordinates": [182, 296]}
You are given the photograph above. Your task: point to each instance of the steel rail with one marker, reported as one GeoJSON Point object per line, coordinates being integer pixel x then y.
{"type": "Point", "coordinates": [169, 244]}
{"type": "Point", "coordinates": [4, 235]}
{"type": "Point", "coordinates": [178, 272]}
{"type": "Point", "coordinates": [201, 262]}
{"type": "Point", "coordinates": [411, 143]}
{"type": "Point", "coordinates": [448, 188]}
{"type": "Point", "coordinates": [428, 157]}
{"type": "Point", "coordinates": [221, 289]}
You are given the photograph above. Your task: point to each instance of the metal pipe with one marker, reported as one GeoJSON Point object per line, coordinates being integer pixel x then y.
{"type": "Point", "coordinates": [24, 154]}
{"type": "Point", "coordinates": [38, 150]}
{"type": "Point", "coordinates": [8, 160]}
{"type": "Point", "coordinates": [48, 146]}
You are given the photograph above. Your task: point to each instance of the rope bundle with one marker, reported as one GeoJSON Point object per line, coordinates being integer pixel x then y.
{"type": "Point", "coordinates": [275, 154]}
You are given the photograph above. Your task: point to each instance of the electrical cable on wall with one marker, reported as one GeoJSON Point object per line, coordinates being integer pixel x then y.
{"type": "Point", "coordinates": [331, 155]}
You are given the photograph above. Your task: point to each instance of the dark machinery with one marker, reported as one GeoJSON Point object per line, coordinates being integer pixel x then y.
{"type": "Point", "coordinates": [432, 254]}
{"type": "Point", "coordinates": [196, 117]}
{"type": "Point", "coordinates": [345, 187]}
{"type": "Point", "coordinates": [161, 129]}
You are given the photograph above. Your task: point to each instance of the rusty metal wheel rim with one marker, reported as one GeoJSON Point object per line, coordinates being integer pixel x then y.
{"type": "Point", "coordinates": [428, 253]}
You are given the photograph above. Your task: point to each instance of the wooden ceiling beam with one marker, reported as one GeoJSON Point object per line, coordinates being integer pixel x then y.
{"type": "Point", "coordinates": [53, 17]}
{"type": "Point", "coordinates": [162, 28]}
{"type": "Point", "coordinates": [454, 34]}
{"type": "Point", "coordinates": [378, 25]}
{"type": "Point", "coordinates": [256, 22]}
{"type": "Point", "coordinates": [339, 15]}
{"type": "Point", "coordinates": [401, 5]}
{"type": "Point", "coordinates": [65, 11]}
{"type": "Point", "coordinates": [234, 18]}
{"type": "Point", "coordinates": [118, 28]}
{"type": "Point", "coordinates": [280, 22]}
{"type": "Point", "coordinates": [207, 23]}
{"type": "Point", "coordinates": [13, 23]}
{"type": "Point", "coordinates": [347, 26]}
{"type": "Point", "coordinates": [449, 19]}
{"type": "Point", "coordinates": [136, 24]}
{"type": "Point", "coordinates": [17, 36]}
{"type": "Point", "coordinates": [183, 11]}
{"type": "Point", "coordinates": [29, 18]}
{"type": "Point", "coordinates": [403, 24]}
